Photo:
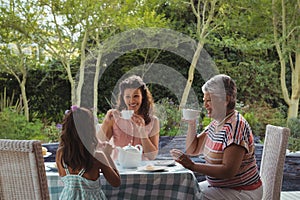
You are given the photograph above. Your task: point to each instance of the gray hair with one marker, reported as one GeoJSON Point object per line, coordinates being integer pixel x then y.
{"type": "Point", "coordinates": [222, 86]}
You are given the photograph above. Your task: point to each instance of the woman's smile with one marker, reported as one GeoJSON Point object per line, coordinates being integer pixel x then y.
{"type": "Point", "coordinates": [133, 99]}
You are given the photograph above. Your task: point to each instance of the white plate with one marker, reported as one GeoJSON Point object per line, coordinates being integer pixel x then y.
{"type": "Point", "coordinates": [50, 166]}
{"type": "Point", "coordinates": [152, 168]}
{"type": "Point", "coordinates": [168, 163]}
{"type": "Point", "coordinates": [47, 154]}
{"type": "Point", "coordinates": [47, 169]}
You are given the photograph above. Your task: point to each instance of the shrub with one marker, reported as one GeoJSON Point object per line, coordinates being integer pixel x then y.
{"type": "Point", "coordinates": [15, 126]}
{"type": "Point", "coordinates": [169, 116]}
{"type": "Point", "coordinates": [294, 140]}
{"type": "Point", "coordinates": [254, 123]}
{"type": "Point", "coordinates": [52, 132]}
{"type": "Point", "coordinates": [101, 117]}
{"type": "Point", "coordinates": [261, 114]}
{"type": "Point", "coordinates": [205, 122]}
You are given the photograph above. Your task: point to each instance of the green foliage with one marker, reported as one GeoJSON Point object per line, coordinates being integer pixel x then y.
{"type": "Point", "coordinates": [52, 132]}
{"type": "Point", "coordinates": [294, 140]}
{"type": "Point", "coordinates": [169, 116]}
{"type": "Point", "coordinates": [101, 117]}
{"type": "Point", "coordinates": [259, 115]}
{"type": "Point", "coordinates": [10, 103]}
{"type": "Point", "coordinates": [254, 79]}
{"type": "Point", "coordinates": [5, 101]}
{"type": "Point", "coordinates": [237, 46]}
{"type": "Point", "coordinates": [15, 126]}
{"type": "Point", "coordinates": [294, 125]}
{"type": "Point", "coordinates": [253, 121]}
{"type": "Point", "coordinates": [205, 122]}
{"type": "Point", "coordinates": [294, 144]}
{"type": "Point", "coordinates": [50, 95]}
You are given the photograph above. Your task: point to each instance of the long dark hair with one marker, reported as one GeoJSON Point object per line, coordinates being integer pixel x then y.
{"type": "Point", "coordinates": [136, 82]}
{"type": "Point", "coordinates": [78, 139]}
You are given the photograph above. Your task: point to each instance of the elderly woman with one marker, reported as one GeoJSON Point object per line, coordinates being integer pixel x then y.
{"type": "Point", "coordinates": [227, 144]}
{"type": "Point", "coordinates": [142, 128]}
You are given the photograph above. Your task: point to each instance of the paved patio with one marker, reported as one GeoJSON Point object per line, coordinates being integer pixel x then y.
{"type": "Point", "coordinates": [290, 195]}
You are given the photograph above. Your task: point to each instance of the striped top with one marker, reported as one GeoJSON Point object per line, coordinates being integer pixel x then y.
{"type": "Point", "coordinates": [236, 130]}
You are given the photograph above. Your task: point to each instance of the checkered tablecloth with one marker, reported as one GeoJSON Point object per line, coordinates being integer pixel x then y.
{"type": "Point", "coordinates": [171, 184]}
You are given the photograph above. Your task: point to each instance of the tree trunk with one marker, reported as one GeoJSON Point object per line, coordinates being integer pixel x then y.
{"type": "Point", "coordinates": [297, 69]}
{"type": "Point", "coordinates": [190, 76]}
{"type": "Point", "coordinates": [294, 103]}
{"type": "Point", "coordinates": [24, 97]}
{"type": "Point", "coordinates": [81, 69]}
{"type": "Point", "coordinates": [293, 108]}
{"type": "Point", "coordinates": [204, 13]}
{"type": "Point", "coordinates": [72, 82]}
{"type": "Point", "coordinates": [96, 79]}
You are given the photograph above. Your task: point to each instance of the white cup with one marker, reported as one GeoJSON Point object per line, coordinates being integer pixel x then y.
{"type": "Point", "coordinates": [126, 114]}
{"type": "Point", "coordinates": [190, 114]}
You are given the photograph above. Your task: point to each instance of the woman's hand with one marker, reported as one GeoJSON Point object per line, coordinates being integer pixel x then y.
{"type": "Point", "coordinates": [138, 120]}
{"type": "Point", "coordinates": [112, 114]}
{"type": "Point", "coordinates": [182, 158]}
{"type": "Point", "coordinates": [139, 125]}
{"type": "Point", "coordinates": [105, 147]}
{"type": "Point", "coordinates": [105, 133]}
{"type": "Point", "coordinates": [116, 113]}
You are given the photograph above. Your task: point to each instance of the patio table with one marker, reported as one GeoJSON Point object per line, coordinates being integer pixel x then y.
{"type": "Point", "coordinates": [174, 183]}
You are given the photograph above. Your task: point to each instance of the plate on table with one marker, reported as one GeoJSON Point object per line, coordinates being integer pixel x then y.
{"type": "Point", "coordinates": [47, 154]}
{"type": "Point", "coordinates": [167, 163]}
{"type": "Point", "coordinates": [51, 166]}
{"type": "Point", "coordinates": [152, 168]}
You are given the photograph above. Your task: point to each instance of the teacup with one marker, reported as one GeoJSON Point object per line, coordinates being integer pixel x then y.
{"type": "Point", "coordinates": [126, 114]}
{"type": "Point", "coordinates": [190, 114]}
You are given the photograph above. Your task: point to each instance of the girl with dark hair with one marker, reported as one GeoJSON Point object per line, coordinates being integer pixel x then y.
{"type": "Point", "coordinates": [78, 162]}
{"type": "Point", "coordinates": [143, 127]}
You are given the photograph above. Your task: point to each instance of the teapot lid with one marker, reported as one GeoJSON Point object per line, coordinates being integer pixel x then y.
{"type": "Point", "coordinates": [131, 148]}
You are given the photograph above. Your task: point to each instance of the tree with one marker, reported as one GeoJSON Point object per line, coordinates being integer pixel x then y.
{"type": "Point", "coordinates": [208, 17]}
{"type": "Point", "coordinates": [68, 30]}
{"type": "Point", "coordinates": [72, 29]}
{"type": "Point", "coordinates": [129, 16]}
{"type": "Point", "coordinates": [278, 23]}
{"type": "Point", "coordinates": [18, 52]}
{"type": "Point", "coordinates": [286, 30]}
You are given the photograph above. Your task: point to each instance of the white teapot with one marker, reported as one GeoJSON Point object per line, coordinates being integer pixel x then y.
{"type": "Point", "coordinates": [130, 156]}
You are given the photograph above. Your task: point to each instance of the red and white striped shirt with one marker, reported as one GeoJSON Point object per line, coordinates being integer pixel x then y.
{"type": "Point", "coordinates": [236, 130]}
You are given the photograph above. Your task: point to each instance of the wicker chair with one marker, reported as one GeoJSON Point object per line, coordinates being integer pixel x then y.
{"type": "Point", "coordinates": [22, 170]}
{"type": "Point", "coordinates": [272, 162]}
